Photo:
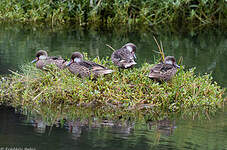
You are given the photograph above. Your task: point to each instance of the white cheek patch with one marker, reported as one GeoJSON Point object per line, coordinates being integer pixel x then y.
{"type": "Point", "coordinates": [42, 57]}
{"type": "Point", "coordinates": [169, 62]}
{"type": "Point", "coordinates": [131, 57]}
{"type": "Point", "coordinates": [129, 48]}
{"type": "Point", "coordinates": [77, 60]}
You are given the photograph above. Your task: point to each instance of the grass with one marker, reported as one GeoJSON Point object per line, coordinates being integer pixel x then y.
{"type": "Point", "coordinates": [190, 13]}
{"type": "Point", "coordinates": [122, 95]}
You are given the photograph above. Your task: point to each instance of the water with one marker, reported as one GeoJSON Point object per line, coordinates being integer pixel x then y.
{"type": "Point", "coordinates": [206, 51]}
{"type": "Point", "coordinates": [18, 131]}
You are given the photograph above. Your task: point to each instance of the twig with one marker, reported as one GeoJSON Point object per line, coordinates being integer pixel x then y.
{"type": "Point", "coordinates": [156, 42]}
{"type": "Point", "coordinates": [110, 47]}
{"type": "Point", "coordinates": [162, 53]}
{"type": "Point", "coordinates": [15, 73]}
{"type": "Point", "coordinates": [156, 51]}
{"type": "Point", "coordinates": [38, 95]}
{"type": "Point", "coordinates": [160, 48]}
{"type": "Point", "coordinates": [180, 60]}
{"type": "Point", "coordinates": [207, 115]}
{"type": "Point", "coordinates": [99, 3]}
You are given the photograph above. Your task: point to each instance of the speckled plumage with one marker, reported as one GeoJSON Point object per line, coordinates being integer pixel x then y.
{"type": "Point", "coordinates": [42, 59]}
{"type": "Point", "coordinates": [125, 56]}
{"type": "Point", "coordinates": [86, 68]}
{"type": "Point", "coordinates": [164, 71]}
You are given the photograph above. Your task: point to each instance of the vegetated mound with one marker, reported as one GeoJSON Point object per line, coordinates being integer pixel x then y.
{"type": "Point", "coordinates": [122, 94]}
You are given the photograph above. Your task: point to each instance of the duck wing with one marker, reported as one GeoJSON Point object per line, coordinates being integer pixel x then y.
{"type": "Point", "coordinates": [166, 67]}
{"type": "Point", "coordinates": [123, 58]}
{"type": "Point", "coordinates": [162, 72]}
{"type": "Point", "coordinates": [91, 65]}
{"type": "Point", "coordinates": [96, 69]}
{"type": "Point", "coordinates": [54, 57]}
{"type": "Point", "coordinates": [156, 71]}
{"type": "Point", "coordinates": [79, 70]}
{"type": "Point", "coordinates": [121, 54]}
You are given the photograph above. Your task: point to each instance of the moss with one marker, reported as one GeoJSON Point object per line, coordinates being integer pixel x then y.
{"type": "Point", "coordinates": [124, 94]}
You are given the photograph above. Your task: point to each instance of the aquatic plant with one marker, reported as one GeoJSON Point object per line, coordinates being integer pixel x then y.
{"type": "Point", "coordinates": [124, 94]}
{"type": "Point", "coordinates": [193, 13]}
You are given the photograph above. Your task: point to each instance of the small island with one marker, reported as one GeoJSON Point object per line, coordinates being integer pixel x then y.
{"type": "Point", "coordinates": [124, 94]}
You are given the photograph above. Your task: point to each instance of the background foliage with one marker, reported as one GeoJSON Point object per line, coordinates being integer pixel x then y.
{"type": "Point", "coordinates": [116, 12]}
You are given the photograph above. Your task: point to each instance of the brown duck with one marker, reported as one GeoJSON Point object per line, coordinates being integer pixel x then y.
{"type": "Point", "coordinates": [42, 59]}
{"type": "Point", "coordinates": [85, 68]}
{"type": "Point", "coordinates": [164, 71]}
{"type": "Point", "coordinates": [125, 56]}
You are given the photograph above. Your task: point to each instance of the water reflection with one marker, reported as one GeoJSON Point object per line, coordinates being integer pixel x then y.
{"type": "Point", "coordinates": [164, 127]}
{"type": "Point", "coordinates": [39, 125]}
{"type": "Point", "coordinates": [206, 50]}
{"type": "Point", "coordinates": [19, 131]}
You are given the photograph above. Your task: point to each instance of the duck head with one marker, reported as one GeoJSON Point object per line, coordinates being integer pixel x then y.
{"type": "Point", "coordinates": [170, 60]}
{"type": "Point", "coordinates": [40, 55]}
{"type": "Point", "coordinates": [132, 48]}
{"type": "Point", "coordinates": [76, 57]}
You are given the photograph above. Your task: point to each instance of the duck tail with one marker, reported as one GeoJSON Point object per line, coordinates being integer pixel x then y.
{"type": "Point", "coordinates": [154, 75]}
{"type": "Point", "coordinates": [128, 65]}
{"type": "Point", "coordinates": [104, 71]}
{"type": "Point", "coordinates": [107, 71]}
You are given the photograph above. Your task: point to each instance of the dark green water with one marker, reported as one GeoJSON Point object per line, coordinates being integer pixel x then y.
{"type": "Point", "coordinates": [17, 131]}
{"type": "Point", "coordinates": [207, 51]}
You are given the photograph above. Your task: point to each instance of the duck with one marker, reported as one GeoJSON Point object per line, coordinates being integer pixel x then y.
{"type": "Point", "coordinates": [125, 56]}
{"type": "Point", "coordinates": [83, 68]}
{"type": "Point", "coordinates": [42, 59]}
{"type": "Point", "coordinates": [164, 71]}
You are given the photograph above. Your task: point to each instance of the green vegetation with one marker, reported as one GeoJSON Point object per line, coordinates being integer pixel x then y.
{"type": "Point", "coordinates": [115, 12]}
{"type": "Point", "coordinates": [125, 94]}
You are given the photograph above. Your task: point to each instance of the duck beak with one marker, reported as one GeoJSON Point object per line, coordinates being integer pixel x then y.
{"type": "Point", "coordinates": [68, 64]}
{"type": "Point", "coordinates": [35, 60]}
{"type": "Point", "coordinates": [177, 66]}
{"type": "Point", "coordinates": [134, 56]}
